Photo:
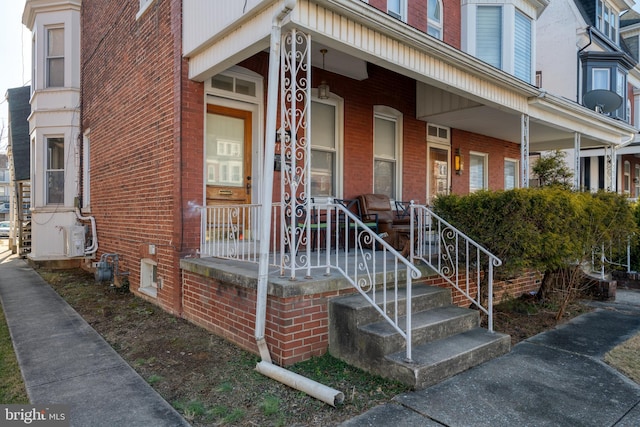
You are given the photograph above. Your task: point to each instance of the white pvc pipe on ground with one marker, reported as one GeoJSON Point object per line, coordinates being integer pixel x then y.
{"type": "Point", "coordinates": [314, 389]}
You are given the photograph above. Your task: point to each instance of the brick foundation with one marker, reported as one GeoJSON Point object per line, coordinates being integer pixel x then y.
{"type": "Point", "coordinates": [297, 319]}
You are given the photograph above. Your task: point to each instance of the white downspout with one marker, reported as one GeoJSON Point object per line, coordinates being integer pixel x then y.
{"type": "Point", "coordinates": [265, 366]}
{"type": "Point", "coordinates": [94, 244]}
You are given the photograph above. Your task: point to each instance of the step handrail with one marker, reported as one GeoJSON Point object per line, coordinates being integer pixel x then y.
{"type": "Point", "coordinates": [456, 257]}
{"type": "Point", "coordinates": [365, 262]}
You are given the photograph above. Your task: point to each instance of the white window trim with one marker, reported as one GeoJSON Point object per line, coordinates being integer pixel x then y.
{"type": "Point", "coordinates": [47, 170]}
{"type": "Point", "coordinates": [403, 11]}
{"type": "Point", "coordinates": [147, 285]}
{"type": "Point", "coordinates": [144, 6]}
{"type": "Point", "coordinates": [517, 171]}
{"type": "Point", "coordinates": [485, 172]}
{"type": "Point", "coordinates": [391, 114]}
{"type": "Point", "coordinates": [437, 25]}
{"type": "Point", "coordinates": [47, 76]}
{"type": "Point", "coordinates": [338, 103]}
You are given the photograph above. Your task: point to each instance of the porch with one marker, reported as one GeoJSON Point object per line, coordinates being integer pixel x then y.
{"type": "Point", "coordinates": [349, 299]}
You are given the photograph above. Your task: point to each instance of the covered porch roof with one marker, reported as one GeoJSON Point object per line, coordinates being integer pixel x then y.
{"type": "Point", "coordinates": [453, 88]}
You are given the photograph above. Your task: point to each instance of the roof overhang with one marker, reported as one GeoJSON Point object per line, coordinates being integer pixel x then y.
{"type": "Point", "coordinates": [493, 101]}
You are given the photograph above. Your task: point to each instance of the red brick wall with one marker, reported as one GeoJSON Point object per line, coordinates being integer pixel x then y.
{"type": "Point", "coordinates": [497, 150]}
{"type": "Point", "coordinates": [134, 88]}
{"type": "Point", "coordinates": [417, 17]}
{"type": "Point", "coordinates": [296, 327]}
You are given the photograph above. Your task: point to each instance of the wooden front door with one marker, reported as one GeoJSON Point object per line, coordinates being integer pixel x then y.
{"type": "Point", "coordinates": [228, 154]}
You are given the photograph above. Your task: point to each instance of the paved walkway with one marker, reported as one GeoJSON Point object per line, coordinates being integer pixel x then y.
{"type": "Point", "coordinates": [556, 378]}
{"type": "Point", "coordinates": [65, 361]}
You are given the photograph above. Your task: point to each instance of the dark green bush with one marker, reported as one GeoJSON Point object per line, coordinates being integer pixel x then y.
{"type": "Point", "coordinates": [545, 229]}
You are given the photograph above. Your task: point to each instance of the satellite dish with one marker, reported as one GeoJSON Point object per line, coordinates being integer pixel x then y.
{"type": "Point", "coordinates": [602, 100]}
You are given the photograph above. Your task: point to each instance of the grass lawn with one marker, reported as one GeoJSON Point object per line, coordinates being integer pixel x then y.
{"type": "Point", "coordinates": [624, 358]}
{"type": "Point", "coordinates": [11, 384]}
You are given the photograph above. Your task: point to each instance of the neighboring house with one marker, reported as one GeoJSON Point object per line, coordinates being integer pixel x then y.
{"type": "Point", "coordinates": [19, 170]}
{"type": "Point", "coordinates": [5, 187]}
{"type": "Point", "coordinates": [586, 49]}
{"type": "Point", "coordinates": [54, 128]}
{"type": "Point", "coordinates": [410, 99]}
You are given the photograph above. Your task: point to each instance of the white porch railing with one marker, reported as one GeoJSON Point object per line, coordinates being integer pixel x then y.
{"type": "Point", "coordinates": [462, 262]}
{"type": "Point", "coordinates": [321, 237]}
{"type": "Point", "coordinates": [318, 238]}
{"type": "Point", "coordinates": [609, 256]}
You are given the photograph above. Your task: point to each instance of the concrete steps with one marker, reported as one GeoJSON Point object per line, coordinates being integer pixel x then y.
{"type": "Point", "coordinates": [446, 339]}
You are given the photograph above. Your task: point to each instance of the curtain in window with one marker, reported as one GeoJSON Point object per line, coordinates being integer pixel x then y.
{"type": "Point", "coordinates": [55, 170]}
{"type": "Point", "coordinates": [600, 78]}
{"type": "Point", "coordinates": [489, 35]}
{"type": "Point", "coordinates": [522, 42]}
{"type": "Point", "coordinates": [323, 149]}
{"type": "Point", "coordinates": [510, 174]}
{"type": "Point", "coordinates": [434, 18]}
{"type": "Point", "coordinates": [476, 173]}
{"type": "Point", "coordinates": [384, 168]}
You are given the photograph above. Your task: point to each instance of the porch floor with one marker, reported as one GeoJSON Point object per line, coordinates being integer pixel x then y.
{"type": "Point", "coordinates": [321, 279]}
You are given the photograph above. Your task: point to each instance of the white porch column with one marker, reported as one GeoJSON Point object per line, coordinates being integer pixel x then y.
{"type": "Point", "coordinates": [295, 128]}
{"type": "Point", "coordinates": [524, 151]}
{"type": "Point", "coordinates": [576, 166]}
{"type": "Point", "coordinates": [610, 168]}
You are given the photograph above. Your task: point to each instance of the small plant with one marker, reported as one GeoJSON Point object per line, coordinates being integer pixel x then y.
{"type": "Point", "coordinates": [194, 409]}
{"type": "Point", "coordinates": [225, 387]}
{"type": "Point", "coordinates": [235, 416]}
{"type": "Point", "coordinates": [270, 405]}
{"type": "Point", "coordinates": [219, 411]}
{"type": "Point", "coordinates": [154, 379]}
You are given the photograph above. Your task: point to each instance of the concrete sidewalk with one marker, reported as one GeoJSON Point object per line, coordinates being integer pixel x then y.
{"type": "Point", "coordinates": [556, 378]}
{"type": "Point", "coordinates": [64, 361]}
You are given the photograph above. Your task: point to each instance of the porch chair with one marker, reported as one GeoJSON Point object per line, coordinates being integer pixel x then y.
{"type": "Point", "coordinates": [395, 225]}
{"type": "Point", "coordinates": [353, 206]}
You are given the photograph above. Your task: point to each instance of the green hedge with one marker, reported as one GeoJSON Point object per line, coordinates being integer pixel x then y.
{"type": "Point", "coordinates": [544, 229]}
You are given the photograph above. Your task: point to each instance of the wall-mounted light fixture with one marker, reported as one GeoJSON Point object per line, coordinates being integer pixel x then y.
{"type": "Point", "coordinates": [323, 88]}
{"type": "Point", "coordinates": [457, 162]}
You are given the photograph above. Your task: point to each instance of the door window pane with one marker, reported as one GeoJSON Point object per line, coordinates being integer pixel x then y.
{"type": "Point", "coordinates": [225, 150]}
{"type": "Point", "coordinates": [438, 172]}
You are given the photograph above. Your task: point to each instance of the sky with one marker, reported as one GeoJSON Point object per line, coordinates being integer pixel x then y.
{"type": "Point", "coordinates": [15, 57]}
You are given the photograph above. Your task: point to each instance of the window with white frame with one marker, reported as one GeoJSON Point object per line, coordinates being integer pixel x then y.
{"type": "Point", "coordinates": [434, 18]}
{"type": "Point", "coordinates": [600, 78]}
{"type": "Point", "coordinates": [55, 57]}
{"type": "Point", "coordinates": [489, 34]}
{"type": "Point", "coordinates": [397, 9]}
{"type": "Point", "coordinates": [636, 180]}
{"type": "Point", "coordinates": [522, 47]}
{"type": "Point", "coordinates": [510, 174]}
{"type": "Point", "coordinates": [607, 20]}
{"type": "Point", "coordinates": [144, 5]}
{"type": "Point", "coordinates": [55, 170]}
{"type": "Point", "coordinates": [387, 128]}
{"type": "Point", "coordinates": [477, 171]}
{"type": "Point", "coordinates": [149, 277]}
{"type": "Point", "coordinates": [324, 148]}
